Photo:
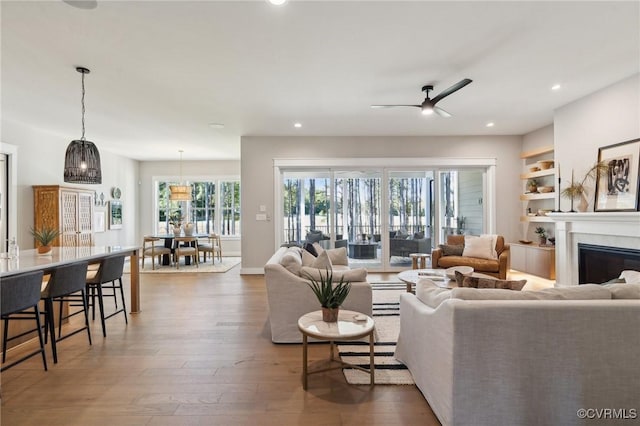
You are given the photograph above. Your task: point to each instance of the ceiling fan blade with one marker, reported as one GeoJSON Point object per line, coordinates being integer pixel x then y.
{"type": "Point", "coordinates": [459, 85]}
{"type": "Point", "coordinates": [441, 112]}
{"type": "Point", "coordinates": [393, 106]}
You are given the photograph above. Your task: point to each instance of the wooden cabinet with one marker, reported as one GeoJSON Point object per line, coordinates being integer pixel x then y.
{"type": "Point", "coordinates": [533, 259]}
{"type": "Point", "coordinates": [67, 209]}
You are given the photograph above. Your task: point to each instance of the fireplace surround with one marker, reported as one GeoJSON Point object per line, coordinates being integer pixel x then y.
{"type": "Point", "coordinates": [612, 229]}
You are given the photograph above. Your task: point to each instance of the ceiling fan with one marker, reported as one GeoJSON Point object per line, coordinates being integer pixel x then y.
{"type": "Point", "coordinates": [428, 106]}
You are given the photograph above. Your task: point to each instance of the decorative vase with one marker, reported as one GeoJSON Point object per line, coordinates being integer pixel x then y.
{"type": "Point", "coordinates": [177, 230]}
{"type": "Point", "coordinates": [330, 314]}
{"type": "Point", "coordinates": [44, 250]}
{"type": "Point", "coordinates": [583, 204]}
{"type": "Point", "coordinates": [543, 240]}
{"type": "Point", "coordinates": [188, 229]}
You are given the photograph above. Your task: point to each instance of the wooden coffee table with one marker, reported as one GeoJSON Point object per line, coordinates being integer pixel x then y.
{"type": "Point", "coordinates": [346, 328]}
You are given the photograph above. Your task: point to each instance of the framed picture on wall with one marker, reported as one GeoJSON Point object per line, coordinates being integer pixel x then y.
{"type": "Point", "coordinates": [99, 221]}
{"type": "Point", "coordinates": [617, 190]}
{"type": "Point", "coordinates": [115, 214]}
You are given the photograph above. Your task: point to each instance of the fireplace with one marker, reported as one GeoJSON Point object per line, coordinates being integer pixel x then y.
{"type": "Point", "coordinates": [599, 264]}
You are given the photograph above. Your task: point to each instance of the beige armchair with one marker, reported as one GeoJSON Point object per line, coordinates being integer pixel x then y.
{"type": "Point", "coordinates": [151, 249]}
{"type": "Point", "coordinates": [186, 246]}
{"type": "Point", "coordinates": [212, 244]}
{"type": "Point", "coordinates": [498, 267]}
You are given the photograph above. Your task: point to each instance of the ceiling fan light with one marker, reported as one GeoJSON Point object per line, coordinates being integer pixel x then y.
{"type": "Point", "coordinates": [427, 110]}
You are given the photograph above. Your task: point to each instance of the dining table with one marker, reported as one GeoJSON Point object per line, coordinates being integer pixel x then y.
{"type": "Point", "coordinates": [29, 260]}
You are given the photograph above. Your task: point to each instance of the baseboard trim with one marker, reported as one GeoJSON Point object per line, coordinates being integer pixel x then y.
{"type": "Point", "coordinates": [251, 271]}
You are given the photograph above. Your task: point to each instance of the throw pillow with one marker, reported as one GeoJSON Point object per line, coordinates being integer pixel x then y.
{"type": "Point", "coordinates": [292, 259]}
{"type": "Point", "coordinates": [460, 277]}
{"type": "Point", "coordinates": [494, 242]}
{"type": "Point", "coordinates": [630, 276]}
{"type": "Point", "coordinates": [307, 258]}
{"type": "Point", "coordinates": [430, 293]}
{"type": "Point", "coordinates": [350, 275]}
{"type": "Point", "coordinates": [338, 256]}
{"type": "Point", "coordinates": [322, 261]}
{"type": "Point", "coordinates": [311, 249]}
{"type": "Point", "coordinates": [479, 247]}
{"type": "Point", "coordinates": [449, 250]}
{"type": "Point", "coordinates": [478, 282]}
{"type": "Point", "coordinates": [318, 248]}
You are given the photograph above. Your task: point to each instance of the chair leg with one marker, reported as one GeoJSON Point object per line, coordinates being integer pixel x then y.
{"type": "Point", "coordinates": [44, 355]}
{"type": "Point", "coordinates": [101, 304]}
{"type": "Point", "coordinates": [86, 314]}
{"type": "Point", "coordinates": [5, 335]}
{"type": "Point", "coordinates": [48, 303]}
{"type": "Point", "coordinates": [124, 304]}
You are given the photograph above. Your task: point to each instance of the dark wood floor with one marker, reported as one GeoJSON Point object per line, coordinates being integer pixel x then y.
{"type": "Point", "coordinates": [199, 353]}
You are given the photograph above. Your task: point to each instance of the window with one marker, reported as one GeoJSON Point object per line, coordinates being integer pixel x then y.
{"type": "Point", "coordinates": [214, 208]}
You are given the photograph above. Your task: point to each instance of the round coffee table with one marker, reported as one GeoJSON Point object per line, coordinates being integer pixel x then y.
{"type": "Point", "coordinates": [438, 276]}
{"type": "Point", "coordinates": [346, 328]}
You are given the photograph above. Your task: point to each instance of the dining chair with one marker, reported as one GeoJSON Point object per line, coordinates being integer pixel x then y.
{"type": "Point", "coordinates": [19, 298]}
{"type": "Point", "coordinates": [213, 246]}
{"type": "Point", "coordinates": [66, 281]}
{"type": "Point", "coordinates": [107, 277]}
{"type": "Point", "coordinates": [151, 249]}
{"type": "Point", "coordinates": [185, 246]}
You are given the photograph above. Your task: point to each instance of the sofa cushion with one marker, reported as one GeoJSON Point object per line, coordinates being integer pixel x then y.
{"type": "Point", "coordinates": [481, 282]}
{"type": "Point", "coordinates": [307, 258]}
{"type": "Point", "coordinates": [623, 291]}
{"type": "Point", "coordinates": [350, 275]}
{"type": "Point", "coordinates": [478, 265]}
{"type": "Point", "coordinates": [581, 292]}
{"type": "Point", "coordinates": [322, 261]}
{"type": "Point", "coordinates": [451, 250]}
{"type": "Point", "coordinates": [429, 293]}
{"type": "Point", "coordinates": [292, 259]}
{"type": "Point", "coordinates": [480, 247]}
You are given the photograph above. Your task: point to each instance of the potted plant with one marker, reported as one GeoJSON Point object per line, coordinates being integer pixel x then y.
{"type": "Point", "coordinates": [577, 189]}
{"type": "Point", "coordinates": [542, 235]}
{"type": "Point", "coordinates": [329, 295]}
{"type": "Point", "coordinates": [44, 236]}
{"type": "Point", "coordinates": [532, 185]}
{"type": "Point", "coordinates": [175, 219]}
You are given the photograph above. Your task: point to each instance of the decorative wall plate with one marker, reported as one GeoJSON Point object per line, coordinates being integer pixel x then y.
{"type": "Point", "coordinates": [116, 193]}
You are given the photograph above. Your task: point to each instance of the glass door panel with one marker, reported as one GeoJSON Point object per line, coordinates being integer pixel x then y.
{"type": "Point", "coordinates": [358, 216]}
{"type": "Point", "coordinates": [306, 202]}
{"type": "Point", "coordinates": [410, 218]}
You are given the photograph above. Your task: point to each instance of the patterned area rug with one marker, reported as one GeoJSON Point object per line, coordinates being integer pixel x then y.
{"type": "Point", "coordinates": [226, 264]}
{"type": "Point", "coordinates": [386, 314]}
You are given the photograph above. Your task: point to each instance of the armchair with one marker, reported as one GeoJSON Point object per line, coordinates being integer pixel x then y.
{"type": "Point", "coordinates": [495, 267]}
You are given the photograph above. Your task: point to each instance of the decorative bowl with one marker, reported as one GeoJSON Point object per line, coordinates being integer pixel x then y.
{"type": "Point", "coordinates": [451, 272]}
{"type": "Point", "coordinates": [534, 169]}
{"type": "Point", "coordinates": [525, 241]}
{"type": "Point", "coordinates": [546, 189]}
{"type": "Point", "coordinates": [545, 164]}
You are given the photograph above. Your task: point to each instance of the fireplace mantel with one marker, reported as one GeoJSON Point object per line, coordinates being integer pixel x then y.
{"type": "Point", "coordinates": [615, 229]}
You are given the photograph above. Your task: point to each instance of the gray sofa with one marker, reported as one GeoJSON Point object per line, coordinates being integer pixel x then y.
{"type": "Point", "coordinates": [531, 358]}
{"type": "Point", "coordinates": [289, 297]}
{"type": "Point", "coordinates": [403, 247]}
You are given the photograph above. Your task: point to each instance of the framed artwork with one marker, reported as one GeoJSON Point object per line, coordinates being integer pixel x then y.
{"type": "Point", "coordinates": [618, 189]}
{"type": "Point", "coordinates": [99, 221]}
{"type": "Point", "coordinates": [115, 214]}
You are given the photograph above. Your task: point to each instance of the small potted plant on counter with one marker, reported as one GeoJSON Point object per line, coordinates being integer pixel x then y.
{"type": "Point", "coordinates": [44, 236]}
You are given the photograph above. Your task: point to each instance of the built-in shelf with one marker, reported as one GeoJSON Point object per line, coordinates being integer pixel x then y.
{"type": "Point", "coordinates": [536, 152]}
{"type": "Point", "coordinates": [535, 219]}
{"type": "Point", "coordinates": [539, 173]}
{"type": "Point", "coordinates": [537, 196]}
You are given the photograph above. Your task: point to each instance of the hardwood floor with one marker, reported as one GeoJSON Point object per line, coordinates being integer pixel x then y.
{"type": "Point", "coordinates": [199, 353]}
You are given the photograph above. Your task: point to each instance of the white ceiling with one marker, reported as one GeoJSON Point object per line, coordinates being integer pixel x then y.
{"type": "Point", "coordinates": [162, 71]}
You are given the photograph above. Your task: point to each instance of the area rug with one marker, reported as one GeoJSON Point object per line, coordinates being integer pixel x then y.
{"type": "Point", "coordinates": [386, 314]}
{"type": "Point", "coordinates": [226, 264]}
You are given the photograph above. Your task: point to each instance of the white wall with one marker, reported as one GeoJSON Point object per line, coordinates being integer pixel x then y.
{"type": "Point", "coordinates": [606, 117]}
{"type": "Point", "coordinates": [191, 170]}
{"type": "Point", "coordinates": [41, 162]}
{"type": "Point", "coordinates": [257, 155]}
{"type": "Point", "coordinates": [540, 138]}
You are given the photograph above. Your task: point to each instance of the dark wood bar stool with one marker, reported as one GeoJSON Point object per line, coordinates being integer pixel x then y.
{"type": "Point", "coordinates": [64, 285]}
{"type": "Point", "coordinates": [107, 277]}
{"type": "Point", "coordinates": [19, 298]}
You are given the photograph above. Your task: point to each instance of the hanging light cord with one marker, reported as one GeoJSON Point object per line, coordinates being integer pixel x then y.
{"type": "Point", "coordinates": [82, 138]}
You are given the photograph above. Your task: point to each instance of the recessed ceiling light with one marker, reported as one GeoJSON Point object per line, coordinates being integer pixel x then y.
{"type": "Point", "coordinates": [297, 125]}
{"type": "Point", "coordinates": [556, 87]}
{"type": "Point", "coordinates": [278, 2]}
{"type": "Point", "coordinates": [491, 124]}
{"type": "Point", "coordinates": [216, 125]}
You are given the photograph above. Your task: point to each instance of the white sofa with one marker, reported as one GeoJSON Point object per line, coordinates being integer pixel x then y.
{"type": "Point", "coordinates": [290, 297]}
{"type": "Point", "coordinates": [523, 362]}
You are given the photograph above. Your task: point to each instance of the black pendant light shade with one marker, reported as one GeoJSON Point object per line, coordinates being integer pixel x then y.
{"type": "Point", "coordinates": [82, 163]}
{"type": "Point", "coordinates": [82, 159]}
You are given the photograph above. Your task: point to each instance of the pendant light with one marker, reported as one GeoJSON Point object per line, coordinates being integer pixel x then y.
{"type": "Point", "coordinates": [180, 192]}
{"type": "Point", "coordinates": [82, 160]}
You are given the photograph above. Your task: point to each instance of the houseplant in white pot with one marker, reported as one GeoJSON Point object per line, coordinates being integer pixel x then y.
{"type": "Point", "coordinates": [329, 295]}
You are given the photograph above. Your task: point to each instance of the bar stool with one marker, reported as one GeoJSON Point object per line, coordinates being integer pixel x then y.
{"type": "Point", "coordinates": [110, 271]}
{"type": "Point", "coordinates": [65, 282]}
{"type": "Point", "coordinates": [19, 294]}
{"type": "Point", "coordinates": [422, 257]}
